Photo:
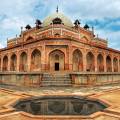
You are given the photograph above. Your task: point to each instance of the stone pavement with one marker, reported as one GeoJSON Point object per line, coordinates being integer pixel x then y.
{"type": "Point", "coordinates": [109, 94]}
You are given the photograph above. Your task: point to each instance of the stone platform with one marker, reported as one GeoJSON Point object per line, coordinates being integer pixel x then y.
{"type": "Point", "coordinates": [42, 79]}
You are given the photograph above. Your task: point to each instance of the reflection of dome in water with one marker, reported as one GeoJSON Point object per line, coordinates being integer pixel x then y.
{"type": "Point", "coordinates": [58, 16]}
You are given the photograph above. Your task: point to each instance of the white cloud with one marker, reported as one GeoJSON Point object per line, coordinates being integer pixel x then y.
{"type": "Point", "coordinates": [13, 15]}
{"type": "Point", "coordinates": [113, 38]}
{"type": "Point", "coordinates": [15, 22]}
{"type": "Point", "coordinates": [97, 10]}
{"type": "Point", "coordinates": [93, 9]}
{"type": "Point", "coordinates": [17, 7]}
{"type": "Point", "coordinates": [17, 13]}
{"type": "Point", "coordinates": [1, 45]}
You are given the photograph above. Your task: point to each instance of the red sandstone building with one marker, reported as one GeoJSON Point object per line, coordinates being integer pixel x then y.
{"type": "Point", "coordinates": [59, 45]}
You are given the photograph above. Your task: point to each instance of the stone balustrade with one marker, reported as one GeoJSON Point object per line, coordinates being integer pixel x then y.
{"type": "Point", "coordinates": [92, 78]}
{"type": "Point", "coordinates": [34, 79]}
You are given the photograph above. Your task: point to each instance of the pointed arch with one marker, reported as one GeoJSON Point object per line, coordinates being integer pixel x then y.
{"type": "Point", "coordinates": [115, 64]}
{"type": "Point", "coordinates": [36, 60]}
{"type": "Point", "coordinates": [90, 61]}
{"type": "Point", "coordinates": [108, 64]}
{"type": "Point", "coordinates": [100, 63]}
{"type": "Point", "coordinates": [57, 21]}
{"type": "Point", "coordinates": [29, 38]}
{"type": "Point", "coordinates": [13, 62]}
{"type": "Point", "coordinates": [57, 60]}
{"type": "Point", "coordinates": [5, 63]}
{"type": "Point", "coordinates": [84, 38]}
{"type": "Point", "coordinates": [23, 62]}
{"type": "Point", "coordinates": [77, 60]}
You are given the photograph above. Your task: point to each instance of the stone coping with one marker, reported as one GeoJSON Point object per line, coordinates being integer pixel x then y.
{"type": "Point", "coordinates": [62, 72]}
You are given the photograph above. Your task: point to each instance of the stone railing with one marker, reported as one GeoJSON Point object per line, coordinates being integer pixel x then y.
{"type": "Point", "coordinates": [92, 78]}
{"type": "Point", "coordinates": [21, 78]}
{"type": "Point", "coordinates": [34, 79]}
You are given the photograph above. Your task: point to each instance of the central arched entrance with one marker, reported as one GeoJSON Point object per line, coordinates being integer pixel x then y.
{"type": "Point", "coordinates": [56, 60]}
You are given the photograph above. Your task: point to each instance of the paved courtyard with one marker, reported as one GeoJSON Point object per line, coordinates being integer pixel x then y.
{"type": "Point", "coordinates": [109, 94]}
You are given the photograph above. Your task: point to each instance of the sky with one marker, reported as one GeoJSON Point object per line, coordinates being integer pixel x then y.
{"type": "Point", "coordinates": [104, 15]}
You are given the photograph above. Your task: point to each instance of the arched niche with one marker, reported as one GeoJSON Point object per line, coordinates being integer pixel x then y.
{"type": "Point", "coordinates": [29, 38]}
{"type": "Point", "coordinates": [36, 60]}
{"type": "Point", "coordinates": [115, 64]}
{"type": "Point", "coordinates": [23, 62]}
{"type": "Point", "coordinates": [100, 63]}
{"type": "Point", "coordinates": [108, 64]}
{"type": "Point", "coordinates": [90, 62]}
{"type": "Point", "coordinates": [5, 63]}
{"type": "Point", "coordinates": [57, 60]}
{"type": "Point", "coordinates": [13, 62]}
{"type": "Point", "coordinates": [77, 60]}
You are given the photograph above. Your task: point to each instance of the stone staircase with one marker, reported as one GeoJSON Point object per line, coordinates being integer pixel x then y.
{"type": "Point", "coordinates": [56, 79]}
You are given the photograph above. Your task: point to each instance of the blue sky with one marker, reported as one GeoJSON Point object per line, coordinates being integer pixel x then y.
{"type": "Point", "coordinates": [104, 15]}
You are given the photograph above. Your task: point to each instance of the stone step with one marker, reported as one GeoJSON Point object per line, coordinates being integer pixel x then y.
{"type": "Point", "coordinates": [56, 83]}
{"type": "Point", "coordinates": [50, 84]}
{"type": "Point", "coordinates": [68, 81]}
{"type": "Point", "coordinates": [55, 77]}
{"type": "Point", "coordinates": [56, 80]}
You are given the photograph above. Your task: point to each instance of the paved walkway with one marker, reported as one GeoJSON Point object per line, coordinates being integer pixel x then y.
{"type": "Point", "coordinates": [64, 90]}
{"type": "Point", "coordinates": [106, 93]}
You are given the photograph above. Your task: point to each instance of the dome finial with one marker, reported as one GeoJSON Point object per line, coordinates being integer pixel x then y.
{"type": "Point", "coordinates": [57, 9]}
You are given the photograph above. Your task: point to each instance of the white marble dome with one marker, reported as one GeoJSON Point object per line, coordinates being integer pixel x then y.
{"type": "Point", "coordinates": [64, 19]}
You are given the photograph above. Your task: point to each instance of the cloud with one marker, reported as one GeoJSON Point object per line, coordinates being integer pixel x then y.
{"type": "Point", "coordinates": [1, 46]}
{"type": "Point", "coordinates": [93, 9]}
{"type": "Point", "coordinates": [113, 38]}
{"type": "Point", "coordinates": [103, 14]}
{"type": "Point", "coordinates": [13, 15]}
